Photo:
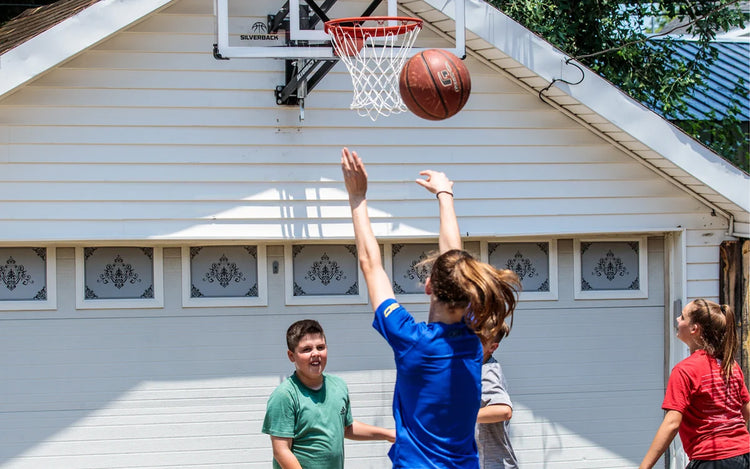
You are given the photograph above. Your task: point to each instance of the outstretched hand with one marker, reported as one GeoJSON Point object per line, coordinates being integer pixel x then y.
{"type": "Point", "coordinates": [435, 181]}
{"type": "Point", "coordinates": [355, 175]}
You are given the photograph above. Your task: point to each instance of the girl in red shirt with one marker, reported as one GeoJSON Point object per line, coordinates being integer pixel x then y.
{"type": "Point", "coordinates": [706, 399]}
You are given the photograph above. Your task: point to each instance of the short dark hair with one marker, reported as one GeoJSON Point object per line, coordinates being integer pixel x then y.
{"type": "Point", "coordinates": [301, 328]}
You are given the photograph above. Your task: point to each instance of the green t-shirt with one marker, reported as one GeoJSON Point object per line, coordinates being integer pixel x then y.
{"type": "Point", "coordinates": [315, 419]}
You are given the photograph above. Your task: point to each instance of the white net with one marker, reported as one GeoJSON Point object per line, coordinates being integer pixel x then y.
{"type": "Point", "coordinates": [374, 51]}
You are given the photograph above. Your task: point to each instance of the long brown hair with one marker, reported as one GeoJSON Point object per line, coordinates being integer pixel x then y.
{"type": "Point", "coordinates": [488, 294]}
{"type": "Point", "coordinates": [718, 332]}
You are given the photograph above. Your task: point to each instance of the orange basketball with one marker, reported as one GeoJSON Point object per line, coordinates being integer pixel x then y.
{"type": "Point", "coordinates": [434, 84]}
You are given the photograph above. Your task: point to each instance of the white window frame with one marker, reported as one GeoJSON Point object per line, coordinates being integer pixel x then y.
{"type": "Point", "coordinates": [361, 298]}
{"type": "Point", "coordinates": [202, 302]}
{"type": "Point", "coordinates": [388, 265]}
{"type": "Point", "coordinates": [51, 284]}
{"type": "Point", "coordinates": [131, 303]}
{"type": "Point", "coordinates": [552, 294]}
{"type": "Point", "coordinates": [642, 291]}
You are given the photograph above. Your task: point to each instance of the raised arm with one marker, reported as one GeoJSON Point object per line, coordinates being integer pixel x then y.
{"type": "Point", "coordinates": [439, 184]}
{"type": "Point", "coordinates": [368, 250]}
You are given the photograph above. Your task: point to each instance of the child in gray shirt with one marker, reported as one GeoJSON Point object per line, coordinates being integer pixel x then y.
{"type": "Point", "coordinates": [493, 441]}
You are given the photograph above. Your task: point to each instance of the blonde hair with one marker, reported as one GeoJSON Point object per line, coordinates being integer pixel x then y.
{"type": "Point", "coordinates": [718, 332]}
{"type": "Point", "coordinates": [488, 294]}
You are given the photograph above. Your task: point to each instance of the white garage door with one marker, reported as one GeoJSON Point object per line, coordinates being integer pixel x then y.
{"type": "Point", "coordinates": [186, 387]}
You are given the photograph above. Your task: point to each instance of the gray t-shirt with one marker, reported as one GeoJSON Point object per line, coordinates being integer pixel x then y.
{"type": "Point", "coordinates": [493, 440]}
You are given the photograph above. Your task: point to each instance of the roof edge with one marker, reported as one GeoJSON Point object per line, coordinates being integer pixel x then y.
{"type": "Point", "coordinates": [604, 98]}
{"type": "Point", "coordinates": [68, 38]}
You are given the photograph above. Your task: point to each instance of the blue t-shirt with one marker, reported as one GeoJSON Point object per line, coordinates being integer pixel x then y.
{"type": "Point", "coordinates": [438, 390]}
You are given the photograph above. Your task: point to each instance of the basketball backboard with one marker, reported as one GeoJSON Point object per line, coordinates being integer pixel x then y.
{"type": "Point", "coordinates": [294, 29]}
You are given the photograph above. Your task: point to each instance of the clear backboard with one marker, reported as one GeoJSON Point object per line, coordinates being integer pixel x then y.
{"type": "Point", "coordinates": [294, 29]}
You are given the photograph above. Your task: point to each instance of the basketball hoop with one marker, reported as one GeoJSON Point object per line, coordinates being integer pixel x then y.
{"type": "Point", "coordinates": [374, 50]}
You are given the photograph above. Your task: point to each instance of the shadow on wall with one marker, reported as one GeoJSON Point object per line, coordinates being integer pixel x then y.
{"type": "Point", "coordinates": [136, 390]}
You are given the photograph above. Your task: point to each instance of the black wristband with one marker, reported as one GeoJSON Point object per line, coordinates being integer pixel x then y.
{"type": "Point", "coordinates": [443, 192]}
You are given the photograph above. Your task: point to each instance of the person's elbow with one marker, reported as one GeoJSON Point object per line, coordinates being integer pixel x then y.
{"type": "Point", "coordinates": [506, 413]}
{"type": "Point", "coordinates": [495, 413]}
{"type": "Point", "coordinates": [366, 264]}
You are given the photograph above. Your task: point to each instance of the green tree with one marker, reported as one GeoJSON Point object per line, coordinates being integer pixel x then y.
{"type": "Point", "coordinates": [616, 39]}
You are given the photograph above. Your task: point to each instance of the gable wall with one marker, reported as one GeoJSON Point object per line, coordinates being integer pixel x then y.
{"type": "Point", "coordinates": [148, 137]}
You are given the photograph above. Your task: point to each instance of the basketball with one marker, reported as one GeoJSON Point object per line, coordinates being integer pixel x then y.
{"type": "Point", "coordinates": [434, 84]}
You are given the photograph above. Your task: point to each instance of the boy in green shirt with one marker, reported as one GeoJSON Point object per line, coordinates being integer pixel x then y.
{"type": "Point", "coordinates": [309, 414]}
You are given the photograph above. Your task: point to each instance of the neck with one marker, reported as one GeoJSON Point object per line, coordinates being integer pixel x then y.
{"type": "Point", "coordinates": [440, 312]}
{"type": "Point", "coordinates": [313, 384]}
{"type": "Point", "coordinates": [695, 347]}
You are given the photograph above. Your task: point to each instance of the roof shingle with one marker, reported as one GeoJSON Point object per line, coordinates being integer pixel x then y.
{"type": "Point", "coordinates": [35, 21]}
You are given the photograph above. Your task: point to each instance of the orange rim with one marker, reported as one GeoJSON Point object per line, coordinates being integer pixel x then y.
{"type": "Point", "coordinates": [350, 26]}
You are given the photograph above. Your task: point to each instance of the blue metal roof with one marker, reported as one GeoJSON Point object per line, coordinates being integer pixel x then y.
{"type": "Point", "coordinates": [731, 65]}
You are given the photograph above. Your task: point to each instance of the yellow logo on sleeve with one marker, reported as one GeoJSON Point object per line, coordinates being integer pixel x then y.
{"type": "Point", "coordinates": [390, 309]}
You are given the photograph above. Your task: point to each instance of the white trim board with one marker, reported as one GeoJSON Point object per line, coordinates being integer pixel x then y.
{"type": "Point", "coordinates": [70, 37]}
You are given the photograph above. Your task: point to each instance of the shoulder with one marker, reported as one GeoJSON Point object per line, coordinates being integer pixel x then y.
{"type": "Point", "coordinates": [696, 362]}
{"type": "Point", "coordinates": [397, 326]}
{"type": "Point", "coordinates": [286, 388]}
{"type": "Point", "coordinates": [335, 385]}
{"type": "Point", "coordinates": [690, 369]}
{"type": "Point", "coordinates": [491, 366]}
{"type": "Point", "coordinates": [388, 307]}
{"type": "Point", "coordinates": [492, 371]}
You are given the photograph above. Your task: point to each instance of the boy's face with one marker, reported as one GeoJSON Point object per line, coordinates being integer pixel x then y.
{"type": "Point", "coordinates": [310, 358]}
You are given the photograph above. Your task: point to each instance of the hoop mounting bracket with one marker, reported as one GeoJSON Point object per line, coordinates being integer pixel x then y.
{"type": "Point", "coordinates": [301, 78]}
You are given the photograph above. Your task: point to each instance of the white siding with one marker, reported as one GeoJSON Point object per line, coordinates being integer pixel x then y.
{"type": "Point", "coordinates": [703, 262]}
{"type": "Point", "coordinates": [147, 136]}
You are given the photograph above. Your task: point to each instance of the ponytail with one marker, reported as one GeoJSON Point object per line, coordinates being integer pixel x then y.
{"type": "Point", "coordinates": [730, 343]}
{"type": "Point", "coordinates": [489, 294]}
{"type": "Point", "coordinates": [718, 332]}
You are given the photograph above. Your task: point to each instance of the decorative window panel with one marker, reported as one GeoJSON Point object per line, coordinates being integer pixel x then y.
{"type": "Point", "coordinates": [611, 268]}
{"type": "Point", "coordinates": [408, 275]}
{"type": "Point", "coordinates": [27, 278]}
{"type": "Point", "coordinates": [226, 275]}
{"type": "Point", "coordinates": [323, 274]}
{"type": "Point", "coordinates": [535, 263]}
{"type": "Point", "coordinates": [119, 277]}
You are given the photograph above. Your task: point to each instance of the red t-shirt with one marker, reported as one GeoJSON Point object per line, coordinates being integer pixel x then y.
{"type": "Point", "coordinates": [712, 424]}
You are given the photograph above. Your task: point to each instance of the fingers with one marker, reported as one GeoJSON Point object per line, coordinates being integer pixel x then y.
{"type": "Point", "coordinates": [351, 163]}
{"type": "Point", "coordinates": [346, 158]}
{"type": "Point", "coordinates": [435, 181]}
